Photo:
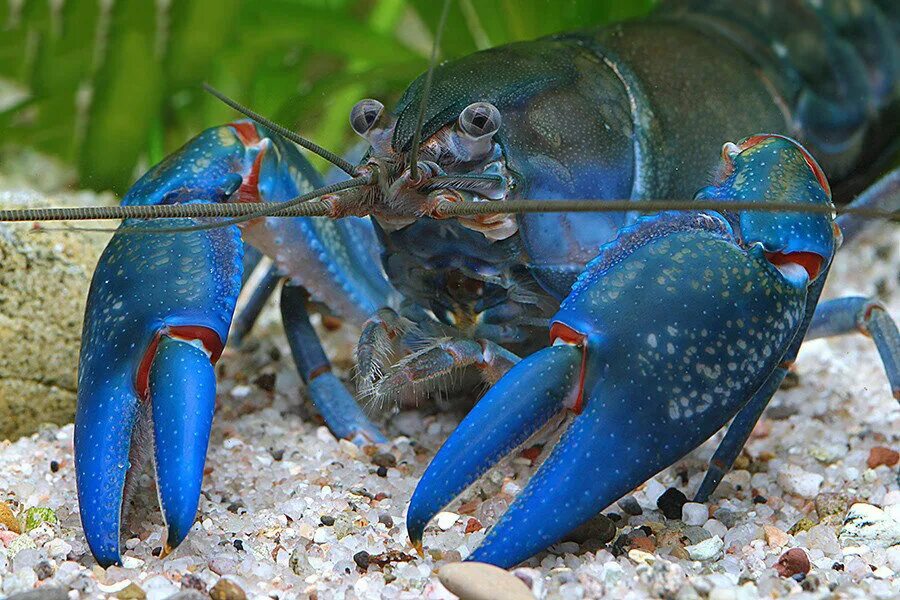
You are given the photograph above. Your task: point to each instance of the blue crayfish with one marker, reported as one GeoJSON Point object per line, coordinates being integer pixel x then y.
{"type": "Point", "coordinates": [655, 330]}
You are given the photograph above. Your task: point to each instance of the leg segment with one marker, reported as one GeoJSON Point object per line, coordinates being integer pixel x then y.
{"type": "Point", "coordinates": [247, 317]}
{"type": "Point", "coordinates": [337, 406]}
{"type": "Point", "coordinates": [737, 435]}
{"type": "Point", "coordinates": [381, 338]}
{"type": "Point", "coordinates": [866, 316]}
{"type": "Point", "coordinates": [435, 363]}
{"type": "Point", "coordinates": [884, 194]}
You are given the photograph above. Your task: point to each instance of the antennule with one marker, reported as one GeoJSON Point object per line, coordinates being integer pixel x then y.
{"type": "Point", "coordinates": [426, 90]}
{"type": "Point", "coordinates": [313, 147]}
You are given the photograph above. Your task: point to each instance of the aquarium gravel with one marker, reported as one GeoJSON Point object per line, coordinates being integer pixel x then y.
{"type": "Point", "coordinates": [288, 511]}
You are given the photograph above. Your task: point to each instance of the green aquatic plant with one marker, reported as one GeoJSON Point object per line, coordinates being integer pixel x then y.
{"type": "Point", "coordinates": [113, 86]}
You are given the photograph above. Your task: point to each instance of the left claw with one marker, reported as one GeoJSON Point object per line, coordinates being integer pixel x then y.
{"type": "Point", "coordinates": [157, 319]}
{"type": "Point", "coordinates": [664, 337]}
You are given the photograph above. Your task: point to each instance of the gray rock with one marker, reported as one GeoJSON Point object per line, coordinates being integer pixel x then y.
{"type": "Point", "coordinates": [44, 280]}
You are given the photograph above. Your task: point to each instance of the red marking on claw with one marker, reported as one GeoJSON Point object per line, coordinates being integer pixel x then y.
{"type": "Point", "coordinates": [249, 191]}
{"type": "Point", "coordinates": [189, 333]}
{"type": "Point", "coordinates": [561, 331]}
{"type": "Point", "coordinates": [246, 132]}
{"type": "Point", "coordinates": [810, 261]}
{"type": "Point", "coordinates": [810, 161]}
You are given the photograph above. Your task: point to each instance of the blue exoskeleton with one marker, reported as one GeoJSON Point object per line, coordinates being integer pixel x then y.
{"type": "Point", "coordinates": [661, 327]}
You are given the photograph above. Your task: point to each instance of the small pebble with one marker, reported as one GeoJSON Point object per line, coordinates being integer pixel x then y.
{"type": "Point", "coordinates": [793, 562]}
{"type": "Point", "coordinates": [694, 513]}
{"type": "Point", "coordinates": [871, 526]}
{"type": "Point", "coordinates": [642, 542]}
{"type": "Point", "coordinates": [473, 525]}
{"type": "Point", "coordinates": [381, 471]}
{"type": "Point", "coordinates": [131, 592]}
{"type": "Point", "coordinates": [630, 506]}
{"type": "Point", "coordinates": [361, 559]}
{"type": "Point", "coordinates": [43, 570]}
{"type": "Point", "coordinates": [804, 524]}
{"type": "Point", "coordinates": [327, 520]}
{"type": "Point", "coordinates": [384, 459]}
{"type": "Point", "coordinates": [795, 480]}
{"type": "Point", "coordinates": [600, 528]}
{"type": "Point", "coordinates": [192, 582]}
{"type": "Point", "coordinates": [706, 550]}
{"type": "Point", "coordinates": [386, 520]}
{"type": "Point", "coordinates": [775, 537]}
{"type": "Point", "coordinates": [8, 518]}
{"type": "Point", "coordinates": [640, 556]}
{"type": "Point", "coordinates": [54, 466]}
{"type": "Point", "coordinates": [726, 517]}
{"type": "Point", "coordinates": [225, 589]}
{"type": "Point", "coordinates": [445, 520]}
{"type": "Point", "coordinates": [480, 581]}
{"type": "Point", "coordinates": [671, 503]}
{"type": "Point", "coordinates": [880, 455]}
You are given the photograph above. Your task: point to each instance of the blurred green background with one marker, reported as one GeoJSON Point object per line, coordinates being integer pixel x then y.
{"type": "Point", "coordinates": [110, 86]}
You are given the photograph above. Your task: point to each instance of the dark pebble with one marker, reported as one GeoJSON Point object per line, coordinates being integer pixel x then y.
{"type": "Point", "coordinates": [386, 520]}
{"type": "Point", "coordinates": [759, 499]}
{"type": "Point", "coordinates": [234, 507]}
{"type": "Point", "coordinates": [382, 471]}
{"type": "Point", "coordinates": [238, 545]}
{"type": "Point", "coordinates": [671, 503]}
{"type": "Point", "coordinates": [266, 382]}
{"type": "Point", "coordinates": [726, 517]}
{"type": "Point", "coordinates": [780, 412]}
{"type": "Point", "coordinates": [327, 520]}
{"type": "Point", "coordinates": [157, 551]}
{"type": "Point", "coordinates": [790, 381]}
{"type": "Point", "coordinates": [630, 506]}
{"type": "Point", "coordinates": [793, 562]}
{"type": "Point", "coordinates": [278, 454]}
{"type": "Point", "coordinates": [43, 569]}
{"type": "Point", "coordinates": [600, 528]}
{"type": "Point", "coordinates": [384, 459]}
{"type": "Point", "coordinates": [361, 559]}
{"type": "Point", "coordinates": [620, 546]}
{"type": "Point", "coordinates": [838, 566]}
{"type": "Point", "coordinates": [192, 582]}
{"type": "Point", "coordinates": [54, 466]}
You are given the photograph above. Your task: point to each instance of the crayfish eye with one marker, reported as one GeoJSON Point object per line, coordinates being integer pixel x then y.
{"type": "Point", "coordinates": [365, 114]}
{"type": "Point", "coordinates": [481, 119]}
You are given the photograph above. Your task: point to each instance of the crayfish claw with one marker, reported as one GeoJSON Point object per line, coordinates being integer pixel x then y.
{"type": "Point", "coordinates": [515, 408]}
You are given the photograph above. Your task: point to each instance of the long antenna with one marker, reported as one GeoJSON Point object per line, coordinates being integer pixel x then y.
{"type": "Point", "coordinates": [302, 207]}
{"type": "Point", "coordinates": [283, 131]}
{"type": "Point", "coordinates": [426, 90]}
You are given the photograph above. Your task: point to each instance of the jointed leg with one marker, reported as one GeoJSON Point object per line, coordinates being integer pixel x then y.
{"type": "Point", "coordinates": [246, 318]}
{"type": "Point", "coordinates": [884, 195]}
{"type": "Point", "coordinates": [337, 406]}
{"type": "Point", "coordinates": [866, 316]}
{"type": "Point", "coordinates": [434, 363]}
{"type": "Point", "coordinates": [738, 432]}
